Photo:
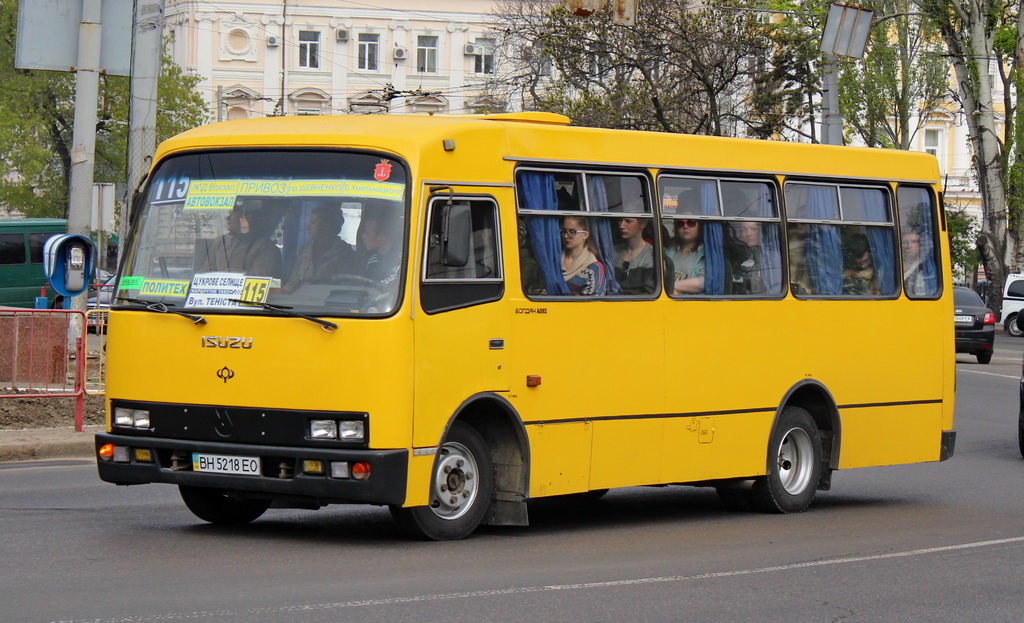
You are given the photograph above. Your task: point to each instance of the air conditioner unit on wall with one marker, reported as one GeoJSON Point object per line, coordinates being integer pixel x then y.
{"type": "Point", "coordinates": [272, 41]}
{"type": "Point", "coordinates": [470, 50]}
{"type": "Point", "coordinates": [400, 53]}
{"type": "Point", "coordinates": [341, 34]}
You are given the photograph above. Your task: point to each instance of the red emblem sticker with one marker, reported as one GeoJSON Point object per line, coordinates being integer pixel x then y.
{"type": "Point", "coordinates": [382, 171]}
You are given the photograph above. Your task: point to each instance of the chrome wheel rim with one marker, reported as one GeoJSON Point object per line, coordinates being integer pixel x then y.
{"type": "Point", "coordinates": [456, 484]}
{"type": "Point", "coordinates": [794, 461]}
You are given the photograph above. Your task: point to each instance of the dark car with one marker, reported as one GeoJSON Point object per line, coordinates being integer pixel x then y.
{"type": "Point", "coordinates": [975, 324]}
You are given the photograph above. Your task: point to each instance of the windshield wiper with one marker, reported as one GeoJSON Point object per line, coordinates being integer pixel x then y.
{"type": "Point", "coordinates": [287, 311]}
{"type": "Point", "coordinates": [163, 308]}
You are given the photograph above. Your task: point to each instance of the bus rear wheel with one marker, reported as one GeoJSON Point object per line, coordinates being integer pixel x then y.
{"type": "Point", "coordinates": [217, 507]}
{"type": "Point", "coordinates": [794, 465]}
{"type": "Point", "coordinates": [461, 487]}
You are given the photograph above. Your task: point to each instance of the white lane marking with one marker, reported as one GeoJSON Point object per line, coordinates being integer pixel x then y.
{"type": "Point", "coordinates": [1005, 376]}
{"type": "Point", "coordinates": [181, 616]}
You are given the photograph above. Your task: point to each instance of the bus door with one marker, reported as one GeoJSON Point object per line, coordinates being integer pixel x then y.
{"type": "Point", "coordinates": [461, 330]}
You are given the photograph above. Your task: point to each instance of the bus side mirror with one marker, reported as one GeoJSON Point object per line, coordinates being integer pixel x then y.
{"type": "Point", "coordinates": [455, 235]}
{"type": "Point", "coordinates": [68, 262]}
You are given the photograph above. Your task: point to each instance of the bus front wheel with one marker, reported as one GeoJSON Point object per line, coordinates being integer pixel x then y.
{"type": "Point", "coordinates": [217, 507]}
{"type": "Point", "coordinates": [461, 486]}
{"type": "Point", "coordinates": [794, 465]}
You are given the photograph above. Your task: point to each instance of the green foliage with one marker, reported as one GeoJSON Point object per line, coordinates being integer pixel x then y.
{"type": "Point", "coordinates": [37, 115]}
{"type": "Point", "coordinates": [963, 231]}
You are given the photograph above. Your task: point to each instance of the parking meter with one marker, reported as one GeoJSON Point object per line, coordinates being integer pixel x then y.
{"type": "Point", "coordinates": [68, 262]}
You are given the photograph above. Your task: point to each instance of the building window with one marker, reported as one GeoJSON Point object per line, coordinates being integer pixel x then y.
{"type": "Point", "coordinates": [369, 51]}
{"type": "Point", "coordinates": [426, 54]}
{"type": "Point", "coordinates": [483, 60]}
{"type": "Point", "coordinates": [931, 142]}
{"type": "Point", "coordinates": [309, 49]}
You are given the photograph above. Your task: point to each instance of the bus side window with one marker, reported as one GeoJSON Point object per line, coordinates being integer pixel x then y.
{"type": "Point", "coordinates": [449, 285]}
{"type": "Point", "coordinates": [12, 249]}
{"type": "Point", "coordinates": [918, 241]}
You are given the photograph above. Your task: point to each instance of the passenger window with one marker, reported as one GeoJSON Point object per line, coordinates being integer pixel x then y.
{"type": "Point", "coordinates": [36, 242]}
{"type": "Point", "coordinates": [586, 234]}
{"type": "Point", "coordinates": [918, 238]}
{"type": "Point", "coordinates": [722, 237]}
{"type": "Point", "coordinates": [12, 249]}
{"type": "Point", "coordinates": [462, 266]}
{"type": "Point", "coordinates": [841, 241]}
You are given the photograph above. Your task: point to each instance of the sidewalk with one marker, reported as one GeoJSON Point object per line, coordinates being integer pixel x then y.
{"type": "Point", "coordinates": [47, 443]}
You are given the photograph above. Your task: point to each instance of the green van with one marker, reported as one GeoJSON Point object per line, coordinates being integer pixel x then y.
{"type": "Point", "coordinates": [21, 258]}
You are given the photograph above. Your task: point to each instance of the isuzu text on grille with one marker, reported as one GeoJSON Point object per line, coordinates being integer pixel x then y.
{"type": "Point", "coordinates": [216, 341]}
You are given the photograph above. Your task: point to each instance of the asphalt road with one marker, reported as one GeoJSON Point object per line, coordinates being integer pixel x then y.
{"type": "Point", "coordinates": [934, 542]}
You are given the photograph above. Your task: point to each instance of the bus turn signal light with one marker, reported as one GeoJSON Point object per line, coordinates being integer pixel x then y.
{"type": "Point", "coordinates": [532, 380]}
{"type": "Point", "coordinates": [106, 451]}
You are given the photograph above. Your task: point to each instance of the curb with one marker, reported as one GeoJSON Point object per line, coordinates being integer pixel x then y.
{"type": "Point", "coordinates": [50, 443]}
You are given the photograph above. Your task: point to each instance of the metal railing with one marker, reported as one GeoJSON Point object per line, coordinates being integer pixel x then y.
{"type": "Point", "coordinates": [43, 354]}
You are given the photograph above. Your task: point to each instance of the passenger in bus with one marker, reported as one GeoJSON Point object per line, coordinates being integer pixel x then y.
{"type": "Point", "coordinates": [379, 240]}
{"type": "Point", "coordinates": [913, 267]}
{"type": "Point", "coordinates": [747, 259]}
{"type": "Point", "coordinates": [634, 257]}
{"type": "Point", "coordinates": [246, 247]}
{"type": "Point", "coordinates": [582, 271]}
{"type": "Point", "coordinates": [687, 256]}
{"type": "Point", "coordinates": [859, 268]}
{"type": "Point", "coordinates": [326, 256]}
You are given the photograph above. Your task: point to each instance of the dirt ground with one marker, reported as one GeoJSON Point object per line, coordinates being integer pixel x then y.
{"type": "Point", "coordinates": [27, 413]}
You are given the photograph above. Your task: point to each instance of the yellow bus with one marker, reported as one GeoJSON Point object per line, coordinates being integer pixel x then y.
{"type": "Point", "coordinates": [454, 315]}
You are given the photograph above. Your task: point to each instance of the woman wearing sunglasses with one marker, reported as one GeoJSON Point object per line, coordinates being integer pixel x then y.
{"type": "Point", "coordinates": [583, 273]}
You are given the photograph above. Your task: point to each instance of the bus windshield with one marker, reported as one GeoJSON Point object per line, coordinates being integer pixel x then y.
{"type": "Point", "coordinates": [314, 232]}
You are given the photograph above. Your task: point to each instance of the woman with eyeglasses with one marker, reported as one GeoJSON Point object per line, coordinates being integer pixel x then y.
{"type": "Point", "coordinates": [688, 257]}
{"type": "Point", "coordinates": [583, 273]}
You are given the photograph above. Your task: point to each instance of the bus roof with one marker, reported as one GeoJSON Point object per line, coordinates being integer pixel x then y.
{"type": "Point", "coordinates": [546, 137]}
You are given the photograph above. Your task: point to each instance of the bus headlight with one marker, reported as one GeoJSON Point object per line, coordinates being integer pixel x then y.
{"type": "Point", "coordinates": [323, 429]}
{"type": "Point", "coordinates": [352, 429]}
{"type": "Point", "coordinates": [132, 418]}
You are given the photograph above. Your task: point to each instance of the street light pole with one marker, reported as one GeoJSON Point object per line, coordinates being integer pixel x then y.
{"type": "Point", "coordinates": [845, 34]}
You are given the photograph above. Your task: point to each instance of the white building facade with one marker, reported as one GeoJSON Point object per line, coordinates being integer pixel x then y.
{"type": "Point", "coordinates": [310, 57]}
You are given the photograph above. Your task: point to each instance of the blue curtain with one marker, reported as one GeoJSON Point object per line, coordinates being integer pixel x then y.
{"type": "Point", "coordinates": [771, 257]}
{"type": "Point", "coordinates": [823, 248]}
{"type": "Point", "coordinates": [601, 232]}
{"type": "Point", "coordinates": [714, 251]}
{"type": "Point", "coordinates": [537, 192]}
{"type": "Point", "coordinates": [880, 240]}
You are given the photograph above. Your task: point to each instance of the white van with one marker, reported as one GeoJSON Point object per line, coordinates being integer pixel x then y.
{"type": "Point", "coordinates": [1013, 303]}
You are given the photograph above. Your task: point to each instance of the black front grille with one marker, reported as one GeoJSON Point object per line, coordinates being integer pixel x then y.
{"type": "Point", "coordinates": [241, 425]}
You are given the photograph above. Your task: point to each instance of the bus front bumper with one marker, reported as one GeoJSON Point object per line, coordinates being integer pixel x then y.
{"type": "Point", "coordinates": [281, 470]}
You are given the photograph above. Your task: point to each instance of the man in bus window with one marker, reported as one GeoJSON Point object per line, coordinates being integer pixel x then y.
{"type": "Point", "coordinates": [326, 255]}
{"type": "Point", "coordinates": [913, 270]}
{"type": "Point", "coordinates": [859, 269]}
{"type": "Point", "coordinates": [378, 238]}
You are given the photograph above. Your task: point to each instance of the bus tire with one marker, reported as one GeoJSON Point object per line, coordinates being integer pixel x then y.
{"type": "Point", "coordinates": [1011, 327]}
{"type": "Point", "coordinates": [461, 487]}
{"type": "Point", "coordinates": [217, 507]}
{"type": "Point", "coordinates": [794, 465]}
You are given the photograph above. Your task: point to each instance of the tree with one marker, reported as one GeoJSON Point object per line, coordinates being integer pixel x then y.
{"type": "Point", "coordinates": [679, 69]}
{"type": "Point", "coordinates": [36, 118]}
{"type": "Point", "coordinates": [886, 97]}
{"type": "Point", "coordinates": [968, 28]}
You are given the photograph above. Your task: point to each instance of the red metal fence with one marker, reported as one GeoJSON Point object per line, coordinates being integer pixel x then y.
{"type": "Point", "coordinates": [39, 357]}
